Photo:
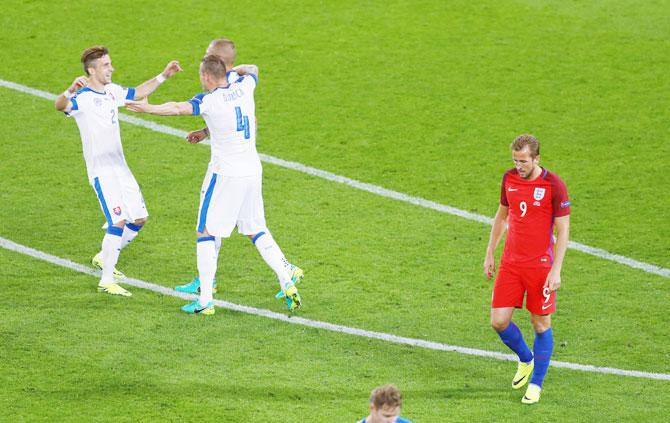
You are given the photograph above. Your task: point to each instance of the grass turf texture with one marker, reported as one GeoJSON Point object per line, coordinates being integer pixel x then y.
{"type": "Point", "coordinates": [93, 357]}
{"type": "Point", "coordinates": [424, 100]}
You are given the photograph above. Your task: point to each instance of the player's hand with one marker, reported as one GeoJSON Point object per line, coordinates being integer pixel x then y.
{"type": "Point", "coordinates": [78, 83]}
{"type": "Point", "coordinates": [137, 106]}
{"type": "Point", "coordinates": [195, 137]}
{"type": "Point", "coordinates": [489, 266]}
{"type": "Point", "coordinates": [171, 68]}
{"type": "Point", "coordinates": [553, 281]}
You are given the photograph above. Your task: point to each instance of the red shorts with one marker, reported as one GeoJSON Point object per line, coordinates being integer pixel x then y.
{"type": "Point", "coordinates": [512, 282]}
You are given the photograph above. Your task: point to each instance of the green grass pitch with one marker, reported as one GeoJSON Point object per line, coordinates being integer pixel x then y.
{"type": "Point", "coordinates": [418, 97]}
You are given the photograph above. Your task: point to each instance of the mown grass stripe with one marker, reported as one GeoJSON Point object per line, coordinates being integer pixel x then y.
{"type": "Point", "coordinates": [386, 337]}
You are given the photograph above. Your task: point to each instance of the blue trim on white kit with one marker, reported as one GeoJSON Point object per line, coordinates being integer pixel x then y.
{"type": "Point", "coordinates": [131, 94]}
{"type": "Point", "coordinates": [196, 108]}
{"type": "Point", "coordinates": [83, 90]}
{"type": "Point", "coordinates": [205, 204]}
{"type": "Point", "coordinates": [115, 230]}
{"type": "Point", "coordinates": [258, 235]}
{"type": "Point", "coordinates": [103, 203]}
{"type": "Point", "coordinates": [134, 227]}
{"type": "Point", "coordinates": [205, 238]}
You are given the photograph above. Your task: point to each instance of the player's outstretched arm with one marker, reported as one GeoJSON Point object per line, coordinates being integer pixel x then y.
{"type": "Point", "coordinates": [148, 87]}
{"type": "Point", "coordinates": [497, 231]}
{"type": "Point", "coordinates": [246, 70]}
{"type": "Point", "coordinates": [62, 102]}
{"type": "Point", "coordinates": [562, 225]}
{"type": "Point", "coordinates": [166, 109]}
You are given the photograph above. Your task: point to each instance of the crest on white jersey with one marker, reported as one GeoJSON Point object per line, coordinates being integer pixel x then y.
{"type": "Point", "coordinates": [539, 193]}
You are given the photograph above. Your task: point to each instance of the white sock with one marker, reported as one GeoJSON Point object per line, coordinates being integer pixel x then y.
{"type": "Point", "coordinates": [217, 244]}
{"type": "Point", "coordinates": [130, 231]}
{"type": "Point", "coordinates": [273, 256]}
{"type": "Point", "coordinates": [206, 254]}
{"type": "Point", "coordinates": [111, 247]}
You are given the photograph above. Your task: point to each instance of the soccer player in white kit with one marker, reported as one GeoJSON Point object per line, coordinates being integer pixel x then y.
{"type": "Point", "coordinates": [231, 193]}
{"type": "Point", "coordinates": [93, 101]}
{"type": "Point", "coordinates": [225, 50]}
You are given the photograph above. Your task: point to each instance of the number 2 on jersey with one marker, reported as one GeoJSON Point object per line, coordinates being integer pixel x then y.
{"type": "Point", "coordinates": [242, 123]}
{"type": "Point", "coordinates": [523, 207]}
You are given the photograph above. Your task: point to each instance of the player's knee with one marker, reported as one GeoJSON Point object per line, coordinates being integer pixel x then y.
{"type": "Point", "coordinates": [541, 323]}
{"type": "Point", "coordinates": [499, 324]}
{"type": "Point", "coordinates": [141, 221]}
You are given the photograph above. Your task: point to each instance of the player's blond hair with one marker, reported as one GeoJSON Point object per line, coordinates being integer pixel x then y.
{"type": "Point", "coordinates": [91, 54]}
{"type": "Point", "coordinates": [527, 140]}
{"type": "Point", "coordinates": [225, 49]}
{"type": "Point", "coordinates": [386, 395]}
{"type": "Point", "coordinates": [214, 66]}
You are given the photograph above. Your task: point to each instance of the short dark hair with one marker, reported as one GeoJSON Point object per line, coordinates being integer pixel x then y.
{"type": "Point", "coordinates": [225, 49]}
{"type": "Point", "coordinates": [530, 141]}
{"type": "Point", "coordinates": [214, 66]}
{"type": "Point", "coordinates": [386, 395]}
{"type": "Point", "coordinates": [91, 54]}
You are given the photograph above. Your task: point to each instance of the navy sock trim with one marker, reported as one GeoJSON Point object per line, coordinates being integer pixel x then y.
{"type": "Point", "coordinates": [134, 227]}
{"type": "Point", "coordinates": [258, 235]}
{"type": "Point", "coordinates": [205, 238]}
{"type": "Point", "coordinates": [115, 230]}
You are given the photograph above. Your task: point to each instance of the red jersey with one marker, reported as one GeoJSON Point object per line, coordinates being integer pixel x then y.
{"type": "Point", "coordinates": [533, 205]}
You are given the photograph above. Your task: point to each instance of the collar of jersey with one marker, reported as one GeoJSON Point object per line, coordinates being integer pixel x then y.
{"type": "Point", "coordinates": [543, 175]}
{"type": "Point", "coordinates": [222, 88]}
{"type": "Point", "coordinates": [83, 90]}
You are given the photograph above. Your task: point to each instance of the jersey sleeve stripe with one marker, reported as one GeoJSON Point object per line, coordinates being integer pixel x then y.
{"type": "Point", "coordinates": [75, 106]}
{"type": "Point", "coordinates": [131, 94]}
{"type": "Point", "coordinates": [196, 107]}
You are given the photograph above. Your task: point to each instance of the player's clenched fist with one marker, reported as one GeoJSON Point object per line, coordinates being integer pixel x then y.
{"type": "Point", "coordinates": [195, 137]}
{"type": "Point", "coordinates": [171, 68]}
{"type": "Point", "coordinates": [78, 83]}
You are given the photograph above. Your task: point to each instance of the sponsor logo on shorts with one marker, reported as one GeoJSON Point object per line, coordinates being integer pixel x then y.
{"type": "Point", "coordinates": [538, 194]}
{"type": "Point", "coordinates": [117, 211]}
{"type": "Point", "coordinates": [544, 307]}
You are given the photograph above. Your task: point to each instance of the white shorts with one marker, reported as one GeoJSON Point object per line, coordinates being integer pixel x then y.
{"type": "Point", "coordinates": [120, 198]}
{"type": "Point", "coordinates": [226, 202]}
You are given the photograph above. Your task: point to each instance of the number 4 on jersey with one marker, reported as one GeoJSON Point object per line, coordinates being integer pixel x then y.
{"type": "Point", "coordinates": [242, 123]}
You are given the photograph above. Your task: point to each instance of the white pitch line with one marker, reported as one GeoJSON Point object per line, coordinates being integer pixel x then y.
{"type": "Point", "coordinates": [374, 189]}
{"type": "Point", "coordinates": [387, 337]}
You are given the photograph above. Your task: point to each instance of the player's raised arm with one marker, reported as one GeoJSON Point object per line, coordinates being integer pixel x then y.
{"type": "Point", "coordinates": [166, 109]}
{"type": "Point", "coordinates": [62, 102]}
{"type": "Point", "coordinates": [497, 231]}
{"type": "Point", "coordinates": [148, 87]}
{"type": "Point", "coordinates": [246, 70]}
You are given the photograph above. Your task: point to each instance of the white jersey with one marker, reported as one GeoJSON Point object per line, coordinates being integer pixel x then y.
{"type": "Point", "coordinates": [230, 114]}
{"type": "Point", "coordinates": [97, 116]}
